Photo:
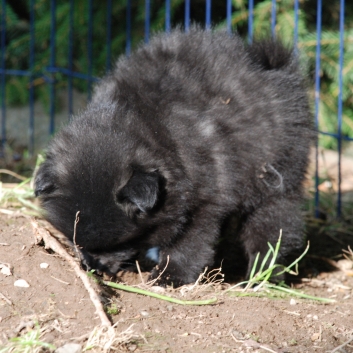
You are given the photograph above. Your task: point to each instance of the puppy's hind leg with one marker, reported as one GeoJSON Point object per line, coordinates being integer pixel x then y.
{"type": "Point", "coordinates": [264, 225]}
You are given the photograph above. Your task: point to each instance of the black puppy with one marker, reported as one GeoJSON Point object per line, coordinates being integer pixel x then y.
{"type": "Point", "coordinates": [189, 129]}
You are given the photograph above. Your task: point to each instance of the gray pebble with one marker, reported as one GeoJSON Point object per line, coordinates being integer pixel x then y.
{"type": "Point", "coordinates": [69, 348]}
{"type": "Point", "coordinates": [238, 335]}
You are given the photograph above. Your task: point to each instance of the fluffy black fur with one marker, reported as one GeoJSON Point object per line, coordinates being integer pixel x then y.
{"type": "Point", "coordinates": [186, 131]}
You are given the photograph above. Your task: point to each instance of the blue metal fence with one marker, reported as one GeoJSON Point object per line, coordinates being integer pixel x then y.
{"type": "Point", "coordinates": [49, 72]}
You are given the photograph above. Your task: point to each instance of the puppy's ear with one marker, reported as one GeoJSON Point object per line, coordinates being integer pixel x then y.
{"type": "Point", "coordinates": [44, 181]}
{"type": "Point", "coordinates": [141, 193]}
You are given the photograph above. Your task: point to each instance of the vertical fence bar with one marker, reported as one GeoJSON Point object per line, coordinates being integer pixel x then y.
{"type": "Point", "coordinates": [187, 16]}
{"type": "Point", "coordinates": [31, 78]}
{"type": "Point", "coordinates": [208, 14]}
{"type": "Point", "coordinates": [147, 21]}
{"type": "Point", "coordinates": [70, 58]}
{"type": "Point", "coordinates": [89, 47]}
{"type": "Point", "coordinates": [250, 21]}
{"type": "Point", "coordinates": [128, 28]}
{"type": "Point", "coordinates": [3, 80]}
{"type": "Point", "coordinates": [317, 100]}
{"type": "Point", "coordinates": [52, 64]}
{"type": "Point", "coordinates": [273, 19]}
{"type": "Point", "coordinates": [229, 16]}
{"type": "Point", "coordinates": [340, 103]}
{"type": "Point", "coordinates": [167, 16]}
{"type": "Point", "coordinates": [296, 23]}
{"type": "Point", "coordinates": [109, 36]}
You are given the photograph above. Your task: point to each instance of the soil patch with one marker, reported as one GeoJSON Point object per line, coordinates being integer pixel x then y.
{"type": "Point", "coordinates": [58, 302]}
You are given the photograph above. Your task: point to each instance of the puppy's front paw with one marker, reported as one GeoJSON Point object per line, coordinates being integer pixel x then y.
{"type": "Point", "coordinates": [165, 278]}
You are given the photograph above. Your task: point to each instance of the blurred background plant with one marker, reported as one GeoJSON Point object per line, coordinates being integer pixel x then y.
{"type": "Point", "coordinates": [307, 40]}
{"type": "Point", "coordinates": [18, 36]}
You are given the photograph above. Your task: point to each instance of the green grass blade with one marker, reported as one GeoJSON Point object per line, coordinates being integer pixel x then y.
{"type": "Point", "coordinates": [159, 296]}
{"type": "Point", "coordinates": [299, 294]}
{"type": "Point", "coordinates": [252, 273]}
{"type": "Point", "coordinates": [295, 262]}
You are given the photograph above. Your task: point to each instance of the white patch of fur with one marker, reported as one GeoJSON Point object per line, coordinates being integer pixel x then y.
{"type": "Point", "coordinates": [206, 128]}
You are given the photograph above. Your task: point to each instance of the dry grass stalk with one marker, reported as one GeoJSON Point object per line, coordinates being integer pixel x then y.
{"type": "Point", "coordinates": [15, 175]}
{"type": "Point", "coordinates": [207, 279]}
{"type": "Point", "coordinates": [153, 281]}
{"type": "Point", "coordinates": [109, 339]}
{"type": "Point", "coordinates": [7, 300]}
{"type": "Point", "coordinates": [348, 254]}
{"type": "Point", "coordinates": [140, 273]}
{"type": "Point", "coordinates": [340, 348]}
{"type": "Point", "coordinates": [52, 243]}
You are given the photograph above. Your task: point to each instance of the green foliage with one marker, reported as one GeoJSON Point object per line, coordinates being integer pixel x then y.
{"type": "Point", "coordinates": [258, 282]}
{"type": "Point", "coordinates": [18, 38]}
{"type": "Point", "coordinates": [307, 40]}
{"type": "Point", "coordinates": [112, 309]}
{"type": "Point", "coordinates": [28, 343]}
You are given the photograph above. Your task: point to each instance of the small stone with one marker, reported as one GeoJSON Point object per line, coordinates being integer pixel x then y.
{"type": "Point", "coordinates": [44, 265]}
{"type": "Point", "coordinates": [157, 289]}
{"type": "Point", "coordinates": [5, 270]}
{"type": "Point", "coordinates": [315, 336]}
{"type": "Point", "coordinates": [315, 317]}
{"type": "Point", "coordinates": [69, 348]}
{"type": "Point", "coordinates": [21, 283]}
{"type": "Point", "coordinates": [238, 335]}
{"type": "Point", "coordinates": [292, 302]}
{"type": "Point", "coordinates": [144, 313]}
{"type": "Point", "coordinates": [170, 308]}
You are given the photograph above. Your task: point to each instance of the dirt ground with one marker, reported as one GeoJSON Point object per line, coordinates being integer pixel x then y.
{"type": "Point", "coordinates": [57, 301]}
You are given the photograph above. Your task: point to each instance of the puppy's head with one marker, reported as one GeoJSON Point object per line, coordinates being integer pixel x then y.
{"type": "Point", "coordinates": [91, 169]}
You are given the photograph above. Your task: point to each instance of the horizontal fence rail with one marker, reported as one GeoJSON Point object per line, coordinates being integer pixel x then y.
{"type": "Point", "coordinates": [122, 25]}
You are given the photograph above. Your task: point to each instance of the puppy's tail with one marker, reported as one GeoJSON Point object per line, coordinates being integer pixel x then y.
{"type": "Point", "coordinates": [272, 54]}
